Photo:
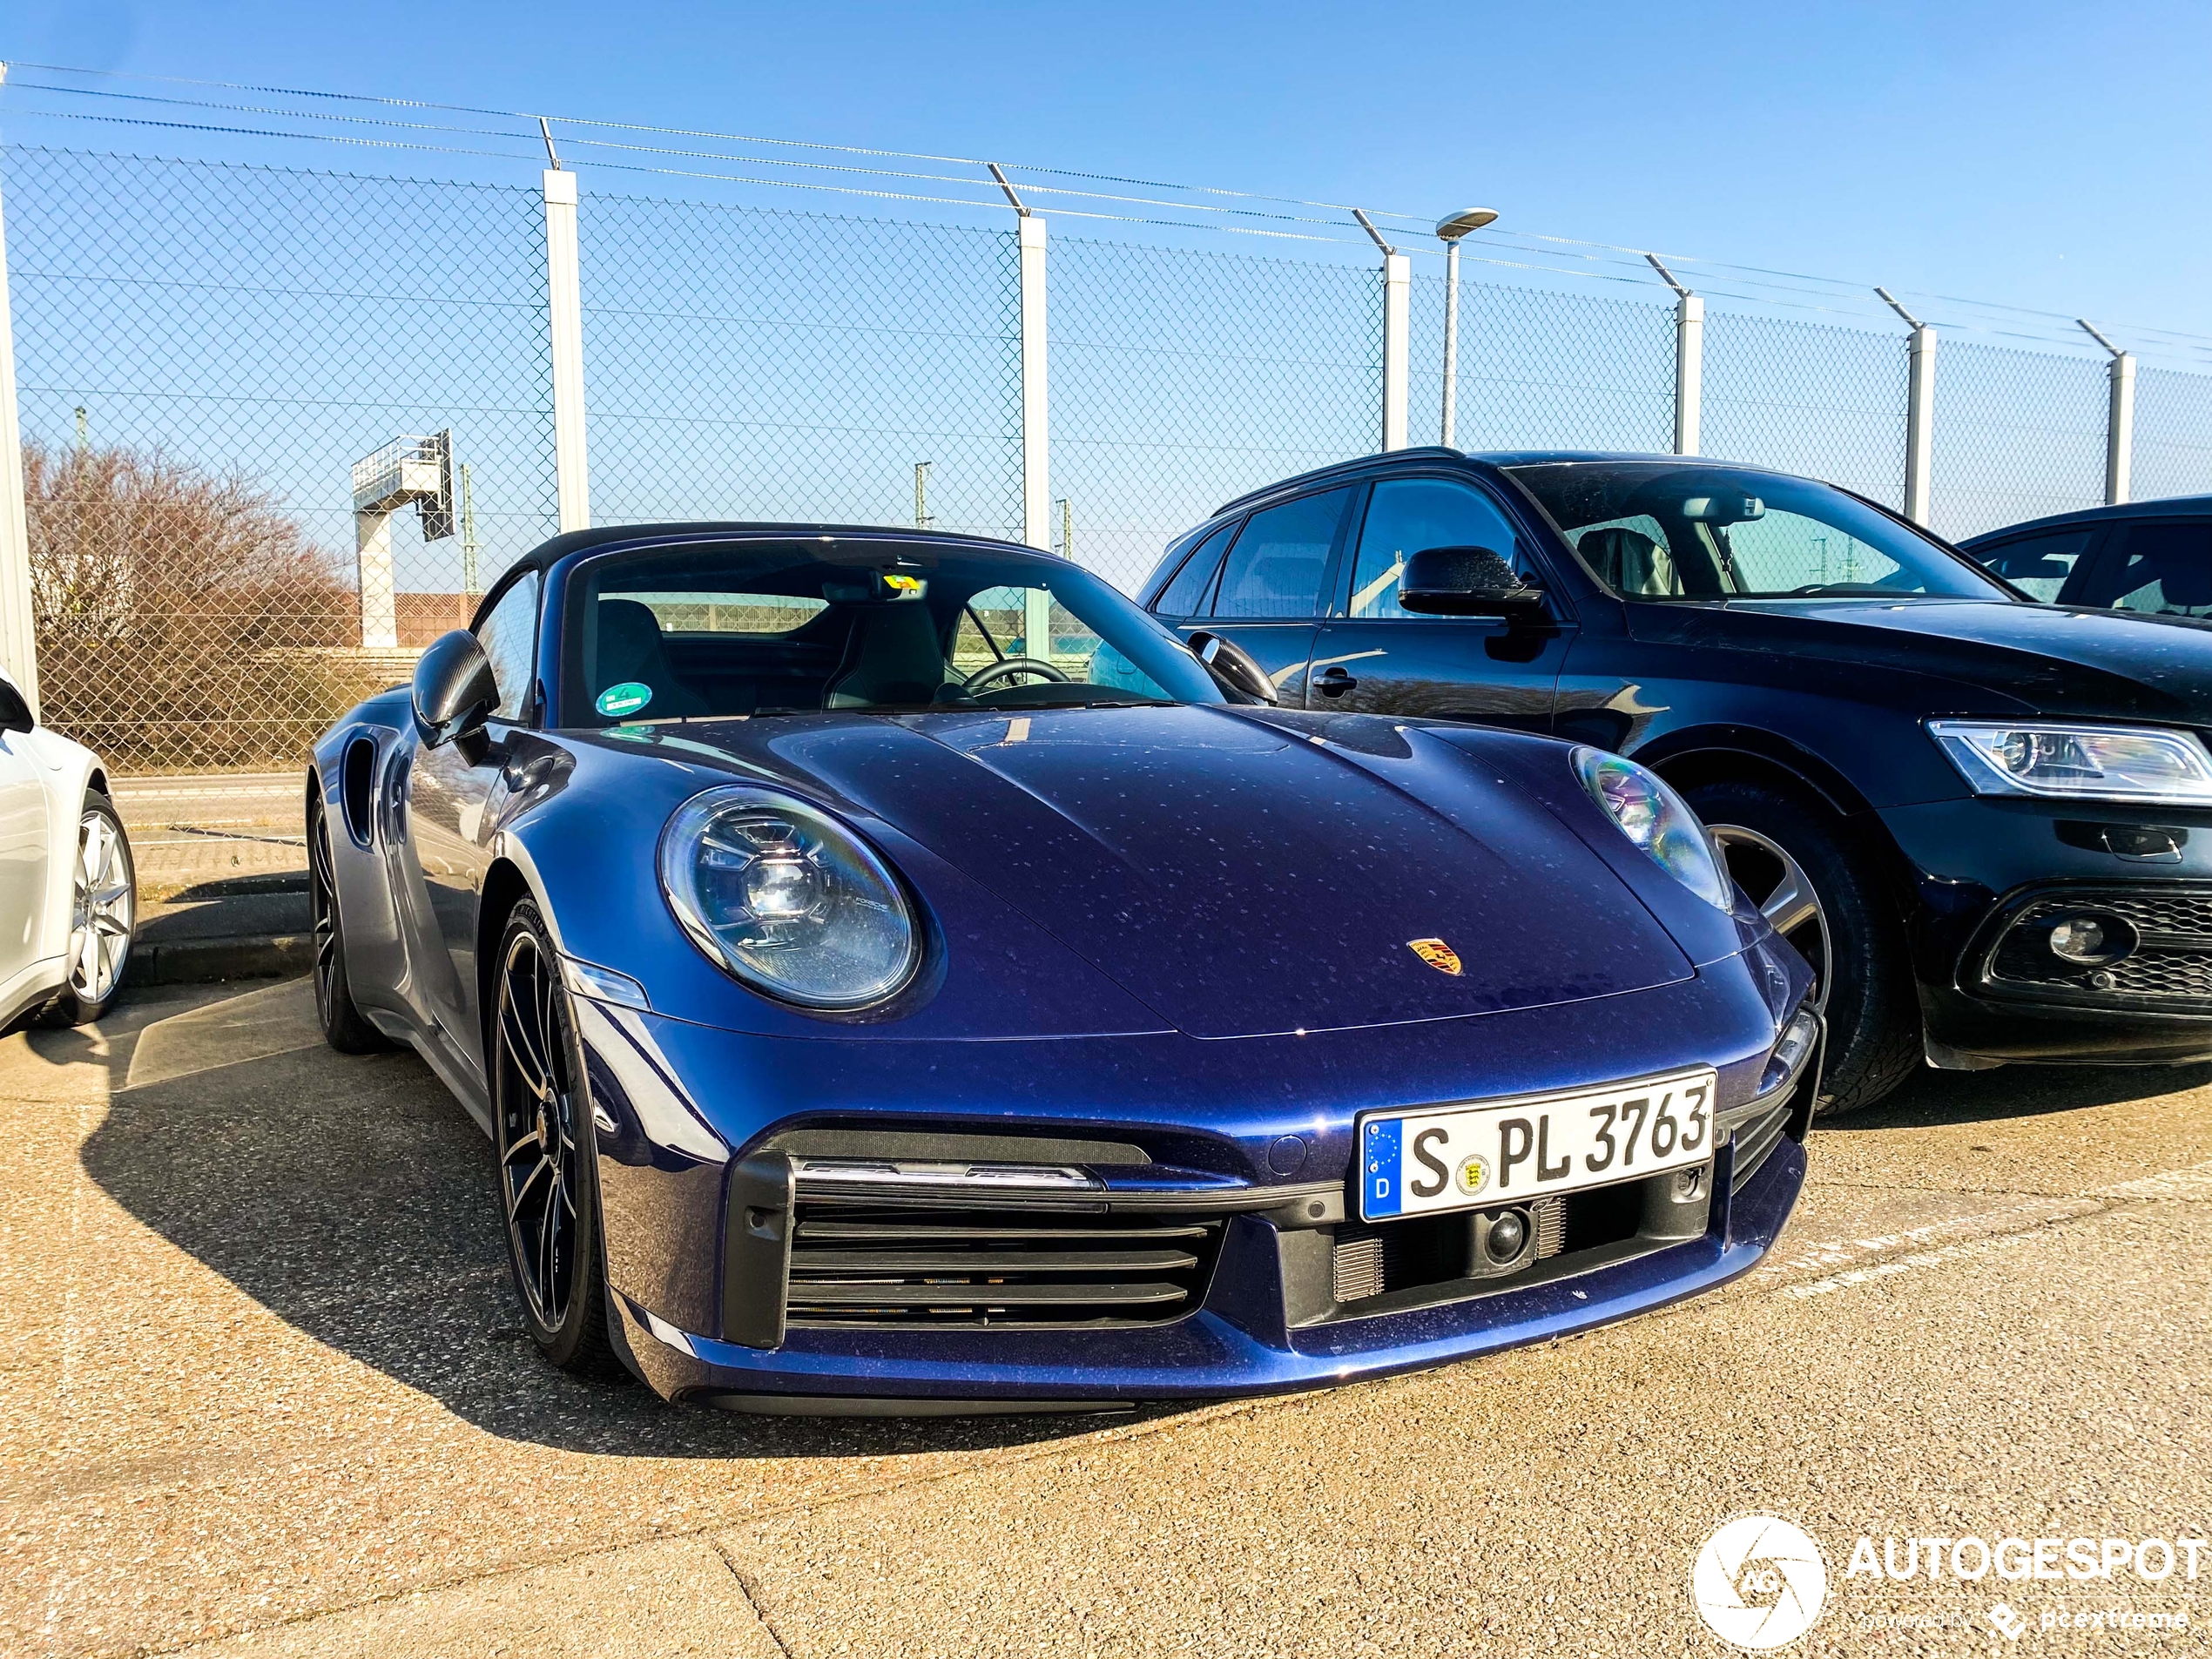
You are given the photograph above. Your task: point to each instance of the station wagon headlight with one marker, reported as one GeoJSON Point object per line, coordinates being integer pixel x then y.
{"type": "Point", "coordinates": [787, 899]}
{"type": "Point", "coordinates": [1656, 820]}
{"type": "Point", "coordinates": [2077, 762]}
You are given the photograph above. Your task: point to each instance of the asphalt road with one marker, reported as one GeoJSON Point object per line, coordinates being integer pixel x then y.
{"type": "Point", "coordinates": [266, 1391]}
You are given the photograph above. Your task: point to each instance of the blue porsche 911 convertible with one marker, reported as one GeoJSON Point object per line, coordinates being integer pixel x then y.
{"type": "Point", "coordinates": [898, 975]}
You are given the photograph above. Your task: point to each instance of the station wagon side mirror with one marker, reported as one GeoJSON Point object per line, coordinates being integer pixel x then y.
{"type": "Point", "coordinates": [454, 692]}
{"type": "Point", "coordinates": [1234, 666]}
{"type": "Point", "coordinates": [1466, 582]}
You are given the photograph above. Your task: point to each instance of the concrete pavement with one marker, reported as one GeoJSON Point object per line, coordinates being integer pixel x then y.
{"type": "Point", "coordinates": [269, 1392]}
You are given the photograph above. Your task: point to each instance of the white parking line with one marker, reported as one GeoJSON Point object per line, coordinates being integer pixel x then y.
{"type": "Point", "coordinates": [1840, 1262]}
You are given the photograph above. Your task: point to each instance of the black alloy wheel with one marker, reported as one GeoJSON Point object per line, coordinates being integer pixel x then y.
{"type": "Point", "coordinates": [548, 1169]}
{"type": "Point", "coordinates": [344, 1026]}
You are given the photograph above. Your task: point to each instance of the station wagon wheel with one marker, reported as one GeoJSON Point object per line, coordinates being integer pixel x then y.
{"type": "Point", "coordinates": [1824, 890]}
{"type": "Point", "coordinates": [548, 1176]}
{"type": "Point", "coordinates": [1784, 893]}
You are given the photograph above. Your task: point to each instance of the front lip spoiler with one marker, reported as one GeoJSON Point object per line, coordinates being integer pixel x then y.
{"type": "Point", "coordinates": [1211, 1355]}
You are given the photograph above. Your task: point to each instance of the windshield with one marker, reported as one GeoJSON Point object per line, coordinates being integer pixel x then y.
{"type": "Point", "coordinates": [881, 627]}
{"type": "Point", "coordinates": [1657, 530]}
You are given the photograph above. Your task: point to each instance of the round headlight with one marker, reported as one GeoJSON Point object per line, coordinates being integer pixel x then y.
{"type": "Point", "coordinates": [787, 899]}
{"type": "Point", "coordinates": [1656, 820]}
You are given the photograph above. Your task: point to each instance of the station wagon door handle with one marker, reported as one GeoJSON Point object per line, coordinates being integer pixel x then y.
{"type": "Point", "coordinates": [1336, 682]}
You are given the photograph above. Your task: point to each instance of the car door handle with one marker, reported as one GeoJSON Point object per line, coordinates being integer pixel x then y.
{"type": "Point", "coordinates": [1336, 682]}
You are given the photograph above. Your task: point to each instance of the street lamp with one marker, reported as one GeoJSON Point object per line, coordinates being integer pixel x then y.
{"type": "Point", "coordinates": [1449, 230]}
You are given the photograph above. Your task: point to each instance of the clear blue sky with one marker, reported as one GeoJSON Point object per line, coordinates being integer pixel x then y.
{"type": "Point", "coordinates": [2041, 154]}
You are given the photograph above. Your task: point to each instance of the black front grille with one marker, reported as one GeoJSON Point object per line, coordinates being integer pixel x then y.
{"type": "Point", "coordinates": [2172, 960]}
{"type": "Point", "coordinates": [880, 1264]}
{"type": "Point", "coordinates": [1754, 1141]}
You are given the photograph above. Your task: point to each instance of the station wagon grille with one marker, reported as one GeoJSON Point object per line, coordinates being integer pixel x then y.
{"type": "Point", "coordinates": [885, 1265]}
{"type": "Point", "coordinates": [2171, 964]}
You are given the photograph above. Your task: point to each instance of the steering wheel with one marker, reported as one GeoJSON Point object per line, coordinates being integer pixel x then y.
{"type": "Point", "coordinates": [1006, 668]}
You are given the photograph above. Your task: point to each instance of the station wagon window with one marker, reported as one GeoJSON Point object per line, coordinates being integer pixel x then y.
{"type": "Point", "coordinates": [1278, 565]}
{"type": "Point", "coordinates": [508, 635]}
{"type": "Point", "coordinates": [1186, 595]}
{"type": "Point", "coordinates": [1661, 529]}
{"type": "Point", "coordinates": [1408, 515]}
{"type": "Point", "coordinates": [2164, 570]}
{"type": "Point", "coordinates": [2039, 564]}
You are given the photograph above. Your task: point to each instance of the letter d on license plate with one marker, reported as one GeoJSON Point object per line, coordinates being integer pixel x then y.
{"type": "Point", "coordinates": [1469, 1158]}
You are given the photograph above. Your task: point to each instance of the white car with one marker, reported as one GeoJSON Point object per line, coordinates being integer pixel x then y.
{"type": "Point", "coordinates": [68, 892]}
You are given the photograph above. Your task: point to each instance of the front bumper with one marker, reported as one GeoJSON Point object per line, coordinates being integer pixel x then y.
{"type": "Point", "coordinates": [701, 1131]}
{"type": "Point", "coordinates": [1992, 875]}
{"type": "Point", "coordinates": [1238, 1343]}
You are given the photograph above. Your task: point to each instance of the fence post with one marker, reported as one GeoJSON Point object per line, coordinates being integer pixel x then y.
{"type": "Point", "coordinates": [1920, 420]}
{"type": "Point", "coordinates": [564, 307]}
{"type": "Point", "coordinates": [2119, 430]}
{"type": "Point", "coordinates": [18, 636]}
{"type": "Point", "coordinates": [2120, 422]}
{"type": "Point", "coordinates": [1448, 425]}
{"type": "Point", "coordinates": [1690, 360]}
{"type": "Point", "coordinates": [1398, 291]}
{"type": "Point", "coordinates": [1689, 372]}
{"type": "Point", "coordinates": [1398, 288]}
{"type": "Point", "coordinates": [1919, 409]}
{"type": "Point", "coordinates": [1037, 434]}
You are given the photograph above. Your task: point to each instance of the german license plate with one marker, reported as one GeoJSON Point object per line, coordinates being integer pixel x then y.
{"type": "Point", "coordinates": [1436, 1158]}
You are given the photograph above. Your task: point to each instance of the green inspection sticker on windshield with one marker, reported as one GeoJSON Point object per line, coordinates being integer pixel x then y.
{"type": "Point", "coordinates": [627, 697]}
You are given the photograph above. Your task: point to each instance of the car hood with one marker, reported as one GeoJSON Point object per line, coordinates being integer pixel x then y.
{"type": "Point", "coordinates": [2010, 657]}
{"type": "Point", "coordinates": [1236, 879]}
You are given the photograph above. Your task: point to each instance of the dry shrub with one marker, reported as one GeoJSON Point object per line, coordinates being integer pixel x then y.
{"type": "Point", "coordinates": [185, 620]}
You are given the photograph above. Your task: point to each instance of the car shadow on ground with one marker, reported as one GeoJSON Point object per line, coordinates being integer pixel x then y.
{"type": "Point", "coordinates": [353, 1198]}
{"type": "Point", "coordinates": [1932, 1098]}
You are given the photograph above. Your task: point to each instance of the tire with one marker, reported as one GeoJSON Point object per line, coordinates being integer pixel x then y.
{"type": "Point", "coordinates": [344, 1026]}
{"type": "Point", "coordinates": [548, 1184]}
{"type": "Point", "coordinates": [1845, 925]}
{"type": "Point", "coordinates": [104, 908]}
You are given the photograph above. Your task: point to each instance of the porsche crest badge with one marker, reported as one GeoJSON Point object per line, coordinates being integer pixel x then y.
{"type": "Point", "coordinates": [1438, 954]}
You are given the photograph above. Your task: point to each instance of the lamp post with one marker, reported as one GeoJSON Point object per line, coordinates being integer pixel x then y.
{"type": "Point", "coordinates": [1449, 230]}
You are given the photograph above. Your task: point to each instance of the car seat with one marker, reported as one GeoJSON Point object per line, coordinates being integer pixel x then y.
{"type": "Point", "coordinates": [1629, 562]}
{"type": "Point", "coordinates": [632, 648]}
{"type": "Point", "coordinates": [894, 656]}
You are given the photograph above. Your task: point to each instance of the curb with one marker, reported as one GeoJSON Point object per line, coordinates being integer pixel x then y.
{"type": "Point", "coordinates": [194, 961]}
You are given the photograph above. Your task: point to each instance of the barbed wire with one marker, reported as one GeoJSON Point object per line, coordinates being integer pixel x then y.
{"type": "Point", "coordinates": [1541, 252]}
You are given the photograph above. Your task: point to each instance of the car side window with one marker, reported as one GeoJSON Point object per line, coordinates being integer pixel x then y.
{"type": "Point", "coordinates": [1277, 566]}
{"type": "Point", "coordinates": [2039, 565]}
{"type": "Point", "coordinates": [1408, 515]}
{"type": "Point", "coordinates": [508, 635]}
{"type": "Point", "coordinates": [1186, 595]}
{"type": "Point", "coordinates": [2164, 570]}
{"type": "Point", "coordinates": [15, 714]}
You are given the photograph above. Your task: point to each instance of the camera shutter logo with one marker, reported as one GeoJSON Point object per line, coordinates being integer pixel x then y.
{"type": "Point", "coordinates": [1759, 1582]}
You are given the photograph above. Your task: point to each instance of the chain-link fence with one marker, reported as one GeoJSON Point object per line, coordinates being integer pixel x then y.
{"type": "Point", "coordinates": [2172, 433]}
{"type": "Point", "coordinates": [203, 353]}
{"type": "Point", "coordinates": [281, 427]}
{"type": "Point", "coordinates": [748, 364]}
{"type": "Point", "coordinates": [1539, 370]}
{"type": "Point", "coordinates": [1807, 398]}
{"type": "Point", "coordinates": [2017, 434]}
{"type": "Point", "coordinates": [1182, 379]}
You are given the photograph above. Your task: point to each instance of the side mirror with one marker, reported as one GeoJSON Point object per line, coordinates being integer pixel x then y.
{"type": "Point", "coordinates": [454, 692]}
{"type": "Point", "coordinates": [1466, 582]}
{"type": "Point", "coordinates": [1234, 667]}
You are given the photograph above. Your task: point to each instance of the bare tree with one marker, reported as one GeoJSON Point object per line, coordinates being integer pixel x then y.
{"type": "Point", "coordinates": [184, 618]}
